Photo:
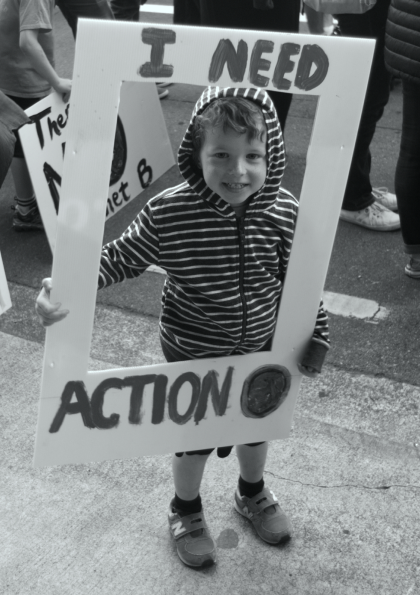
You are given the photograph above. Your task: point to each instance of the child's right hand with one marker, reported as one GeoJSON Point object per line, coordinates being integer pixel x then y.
{"type": "Point", "coordinates": [48, 313]}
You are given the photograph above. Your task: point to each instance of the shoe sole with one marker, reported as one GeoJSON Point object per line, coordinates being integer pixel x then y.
{"type": "Point", "coordinates": [282, 541]}
{"type": "Point", "coordinates": [412, 274]}
{"type": "Point", "coordinates": [205, 564]}
{"type": "Point", "coordinates": [392, 227]}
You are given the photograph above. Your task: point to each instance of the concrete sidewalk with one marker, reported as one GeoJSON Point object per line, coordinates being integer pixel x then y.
{"type": "Point", "coordinates": [349, 476]}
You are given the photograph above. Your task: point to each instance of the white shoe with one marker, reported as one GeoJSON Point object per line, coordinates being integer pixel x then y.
{"type": "Point", "coordinates": [387, 199]}
{"type": "Point", "coordinates": [376, 217]}
{"type": "Point", "coordinates": [162, 94]}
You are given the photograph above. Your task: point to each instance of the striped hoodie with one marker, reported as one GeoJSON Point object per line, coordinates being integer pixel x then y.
{"type": "Point", "coordinates": [224, 275]}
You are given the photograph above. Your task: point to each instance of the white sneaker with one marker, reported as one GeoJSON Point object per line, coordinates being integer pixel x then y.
{"type": "Point", "coordinates": [162, 94]}
{"type": "Point", "coordinates": [387, 199]}
{"type": "Point", "coordinates": [376, 217]}
{"type": "Point", "coordinates": [412, 269]}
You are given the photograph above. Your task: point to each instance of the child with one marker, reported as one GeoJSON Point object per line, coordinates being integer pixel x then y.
{"type": "Point", "coordinates": [26, 76]}
{"type": "Point", "coordinates": [224, 238]}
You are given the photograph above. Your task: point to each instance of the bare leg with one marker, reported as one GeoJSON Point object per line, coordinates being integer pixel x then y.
{"type": "Point", "coordinates": [188, 471]}
{"type": "Point", "coordinates": [252, 461]}
{"type": "Point", "coordinates": [22, 179]}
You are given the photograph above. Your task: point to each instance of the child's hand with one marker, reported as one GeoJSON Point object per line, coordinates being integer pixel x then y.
{"type": "Point", "coordinates": [48, 313]}
{"type": "Point", "coordinates": [308, 371]}
{"type": "Point", "coordinates": [63, 86]}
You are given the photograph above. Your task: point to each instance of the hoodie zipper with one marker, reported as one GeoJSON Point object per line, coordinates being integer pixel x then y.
{"type": "Point", "coordinates": [241, 234]}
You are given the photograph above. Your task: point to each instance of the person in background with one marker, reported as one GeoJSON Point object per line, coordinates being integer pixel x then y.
{"type": "Point", "coordinates": [319, 23]}
{"type": "Point", "coordinates": [402, 58]}
{"type": "Point", "coordinates": [363, 205]}
{"type": "Point", "coordinates": [12, 117]}
{"type": "Point", "coordinates": [259, 15]}
{"type": "Point", "coordinates": [90, 9]}
{"type": "Point", "coordinates": [129, 10]}
{"type": "Point", "coordinates": [26, 75]}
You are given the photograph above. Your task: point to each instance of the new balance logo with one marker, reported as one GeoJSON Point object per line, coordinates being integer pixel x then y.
{"type": "Point", "coordinates": [274, 497]}
{"type": "Point", "coordinates": [178, 528]}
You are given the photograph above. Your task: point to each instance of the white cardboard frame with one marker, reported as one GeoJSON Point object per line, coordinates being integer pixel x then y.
{"type": "Point", "coordinates": [5, 301]}
{"type": "Point", "coordinates": [108, 52]}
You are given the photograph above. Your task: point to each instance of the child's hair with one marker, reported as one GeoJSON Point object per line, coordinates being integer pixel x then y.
{"type": "Point", "coordinates": [231, 113]}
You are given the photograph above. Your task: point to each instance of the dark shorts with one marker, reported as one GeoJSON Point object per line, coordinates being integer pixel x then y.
{"type": "Point", "coordinates": [172, 355]}
{"type": "Point", "coordinates": [23, 103]}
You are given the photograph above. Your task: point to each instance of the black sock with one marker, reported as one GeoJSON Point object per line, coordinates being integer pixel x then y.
{"type": "Point", "coordinates": [185, 507]}
{"type": "Point", "coordinates": [250, 489]}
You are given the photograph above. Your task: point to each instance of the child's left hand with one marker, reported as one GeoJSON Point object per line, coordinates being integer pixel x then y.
{"type": "Point", "coordinates": [308, 371]}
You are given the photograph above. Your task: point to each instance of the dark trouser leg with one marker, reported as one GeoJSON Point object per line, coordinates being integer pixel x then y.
{"type": "Point", "coordinates": [282, 103]}
{"type": "Point", "coordinates": [187, 12]}
{"type": "Point", "coordinates": [407, 175]}
{"type": "Point", "coordinates": [89, 9]}
{"type": "Point", "coordinates": [370, 24]}
{"type": "Point", "coordinates": [126, 10]}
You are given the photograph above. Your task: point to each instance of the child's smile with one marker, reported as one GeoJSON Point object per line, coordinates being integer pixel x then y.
{"type": "Point", "coordinates": [233, 166]}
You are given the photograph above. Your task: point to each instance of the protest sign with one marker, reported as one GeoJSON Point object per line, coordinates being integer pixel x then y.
{"type": "Point", "coordinates": [5, 301]}
{"type": "Point", "coordinates": [189, 405]}
{"type": "Point", "coordinates": [141, 150]}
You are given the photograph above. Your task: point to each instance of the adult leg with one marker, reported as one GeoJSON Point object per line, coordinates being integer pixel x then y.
{"type": "Point", "coordinates": [26, 217]}
{"type": "Point", "coordinates": [187, 12]}
{"type": "Point", "coordinates": [358, 194]}
{"type": "Point", "coordinates": [126, 10]}
{"type": "Point", "coordinates": [407, 176]}
{"type": "Point", "coordinates": [241, 14]}
{"type": "Point", "coordinates": [89, 9]}
{"type": "Point", "coordinates": [22, 180]}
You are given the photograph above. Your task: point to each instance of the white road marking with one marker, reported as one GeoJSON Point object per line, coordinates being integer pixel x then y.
{"type": "Point", "coordinates": [157, 8]}
{"type": "Point", "coordinates": [354, 307]}
{"type": "Point", "coordinates": [338, 304]}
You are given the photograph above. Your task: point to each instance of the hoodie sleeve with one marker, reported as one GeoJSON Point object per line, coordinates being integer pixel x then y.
{"type": "Point", "coordinates": [131, 254]}
{"type": "Point", "coordinates": [319, 343]}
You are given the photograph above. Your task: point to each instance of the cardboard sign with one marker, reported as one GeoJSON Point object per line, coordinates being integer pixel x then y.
{"type": "Point", "coordinates": [124, 413]}
{"type": "Point", "coordinates": [5, 301]}
{"type": "Point", "coordinates": [141, 154]}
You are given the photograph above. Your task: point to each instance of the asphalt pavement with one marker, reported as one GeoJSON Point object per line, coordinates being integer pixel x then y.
{"type": "Point", "coordinates": [349, 475]}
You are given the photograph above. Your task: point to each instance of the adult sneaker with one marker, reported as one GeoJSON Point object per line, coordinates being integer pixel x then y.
{"type": "Point", "coordinates": [385, 198]}
{"type": "Point", "coordinates": [30, 221]}
{"type": "Point", "coordinates": [264, 512]}
{"type": "Point", "coordinates": [374, 217]}
{"type": "Point", "coordinates": [194, 544]}
{"type": "Point", "coordinates": [162, 93]}
{"type": "Point", "coordinates": [412, 269]}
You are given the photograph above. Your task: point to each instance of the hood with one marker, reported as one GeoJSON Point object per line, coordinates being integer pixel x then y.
{"type": "Point", "coordinates": [268, 193]}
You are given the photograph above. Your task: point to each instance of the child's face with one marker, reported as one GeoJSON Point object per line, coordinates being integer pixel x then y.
{"type": "Point", "coordinates": [233, 166]}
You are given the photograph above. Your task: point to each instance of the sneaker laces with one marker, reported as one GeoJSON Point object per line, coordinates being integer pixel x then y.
{"type": "Point", "coordinates": [382, 190]}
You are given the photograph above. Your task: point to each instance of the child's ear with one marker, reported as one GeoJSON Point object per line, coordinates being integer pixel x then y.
{"type": "Point", "coordinates": [197, 160]}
